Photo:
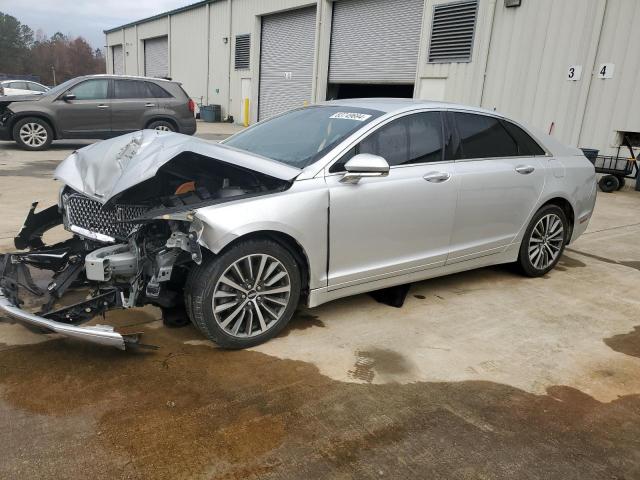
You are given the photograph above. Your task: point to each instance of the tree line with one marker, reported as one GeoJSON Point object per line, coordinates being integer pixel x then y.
{"type": "Point", "coordinates": [54, 59]}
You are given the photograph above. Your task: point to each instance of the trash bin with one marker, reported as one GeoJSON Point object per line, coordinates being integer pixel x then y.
{"type": "Point", "coordinates": [590, 153]}
{"type": "Point", "coordinates": [211, 113]}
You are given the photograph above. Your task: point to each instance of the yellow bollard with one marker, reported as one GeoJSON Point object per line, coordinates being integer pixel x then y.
{"type": "Point", "coordinates": [305, 104]}
{"type": "Point", "coordinates": [246, 112]}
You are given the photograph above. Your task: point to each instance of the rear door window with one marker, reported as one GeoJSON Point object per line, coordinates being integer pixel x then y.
{"type": "Point", "coordinates": [19, 85]}
{"type": "Point", "coordinates": [482, 136]}
{"type": "Point", "coordinates": [91, 90]}
{"type": "Point", "coordinates": [34, 87]}
{"type": "Point", "coordinates": [130, 89]}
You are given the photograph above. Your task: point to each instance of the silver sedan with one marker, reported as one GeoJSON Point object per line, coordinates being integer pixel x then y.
{"type": "Point", "coordinates": [316, 204]}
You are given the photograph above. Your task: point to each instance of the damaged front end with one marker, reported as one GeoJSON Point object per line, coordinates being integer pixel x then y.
{"type": "Point", "coordinates": [133, 242]}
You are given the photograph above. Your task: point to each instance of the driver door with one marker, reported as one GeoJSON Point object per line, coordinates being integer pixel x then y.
{"type": "Point", "coordinates": [89, 114]}
{"type": "Point", "coordinates": [388, 226]}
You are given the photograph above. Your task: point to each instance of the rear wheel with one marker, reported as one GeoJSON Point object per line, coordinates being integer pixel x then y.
{"type": "Point", "coordinates": [245, 296]}
{"type": "Point", "coordinates": [621, 183]}
{"type": "Point", "coordinates": [33, 133]}
{"type": "Point", "coordinates": [162, 125]}
{"type": "Point", "coordinates": [544, 241]}
{"type": "Point", "coordinates": [609, 183]}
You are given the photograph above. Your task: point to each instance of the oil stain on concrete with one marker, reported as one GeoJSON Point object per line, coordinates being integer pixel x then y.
{"type": "Point", "coordinates": [75, 411]}
{"type": "Point", "coordinates": [627, 343]}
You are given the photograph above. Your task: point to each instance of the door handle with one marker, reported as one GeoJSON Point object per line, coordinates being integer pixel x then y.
{"type": "Point", "coordinates": [524, 169]}
{"type": "Point", "coordinates": [150, 105]}
{"type": "Point", "coordinates": [437, 177]}
{"type": "Point", "coordinates": [103, 106]}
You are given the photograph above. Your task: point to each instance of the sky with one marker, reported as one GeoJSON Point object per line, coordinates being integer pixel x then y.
{"type": "Point", "coordinates": [84, 18]}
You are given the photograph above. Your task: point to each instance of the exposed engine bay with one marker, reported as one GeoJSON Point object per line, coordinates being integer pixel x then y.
{"type": "Point", "coordinates": [135, 248]}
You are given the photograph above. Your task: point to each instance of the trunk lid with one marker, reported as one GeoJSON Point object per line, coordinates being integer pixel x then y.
{"type": "Point", "coordinates": [108, 168]}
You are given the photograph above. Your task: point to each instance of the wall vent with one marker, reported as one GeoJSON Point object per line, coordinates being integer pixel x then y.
{"type": "Point", "coordinates": [452, 32]}
{"type": "Point", "coordinates": [243, 50]}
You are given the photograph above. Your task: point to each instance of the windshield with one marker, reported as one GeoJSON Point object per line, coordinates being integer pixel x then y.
{"type": "Point", "coordinates": [61, 88]}
{"type": "Point", "coordinates": [300, 137]}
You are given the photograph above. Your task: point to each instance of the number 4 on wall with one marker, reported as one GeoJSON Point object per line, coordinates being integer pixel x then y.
{"type": "Point", "coordinates": [605, 70]}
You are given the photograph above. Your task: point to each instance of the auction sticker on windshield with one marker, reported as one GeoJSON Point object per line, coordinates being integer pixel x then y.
{"type": "Point", "coordinates": [360, 117]}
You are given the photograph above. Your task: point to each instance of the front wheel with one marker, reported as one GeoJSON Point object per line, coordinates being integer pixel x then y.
{"type": "Point", "coordinates": [245, 296]}
{"type": "Point", "coordinates": [544, 241]}
{"type": "Point", "coordinates": [33, 133]}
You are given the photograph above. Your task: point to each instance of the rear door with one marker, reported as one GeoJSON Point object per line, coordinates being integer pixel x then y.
{"type": "Point", "coordinates": [501, 179]}
{"type": "Point", "coordinates": [89, 114]}
{"type": "Point", "coordinates": [131, 106]}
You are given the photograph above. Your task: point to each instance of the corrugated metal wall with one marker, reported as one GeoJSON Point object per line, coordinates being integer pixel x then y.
{"type": "Point", "coordinates": [614, 104]}
{"type": "Point", "coordinates": [189, 63]}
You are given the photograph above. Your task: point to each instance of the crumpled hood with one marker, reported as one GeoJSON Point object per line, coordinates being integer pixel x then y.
{"type": "Point", "coordinates": [110, 167]}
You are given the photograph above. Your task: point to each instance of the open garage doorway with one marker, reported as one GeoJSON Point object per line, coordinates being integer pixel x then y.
{"type": "Point", "coordinates": [337, 91]}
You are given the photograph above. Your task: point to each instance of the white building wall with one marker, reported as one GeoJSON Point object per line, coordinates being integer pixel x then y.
{"type": "Point", "coordinates": [188, 51]}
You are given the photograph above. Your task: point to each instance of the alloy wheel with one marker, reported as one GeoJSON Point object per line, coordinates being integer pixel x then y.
{"type": "Point", "coordinates": [251, 295]}
{"type": "Point", "coordinates": [546, 241]}
{"type": "Point", "coordinates": [33, 134]}
{"type": "Point", "coordinates": [163, 128]}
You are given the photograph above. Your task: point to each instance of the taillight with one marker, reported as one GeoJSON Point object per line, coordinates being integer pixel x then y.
{"type": "Point", "coordinates": [192, 106]}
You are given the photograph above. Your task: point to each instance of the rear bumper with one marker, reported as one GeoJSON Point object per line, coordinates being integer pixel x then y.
{"type": "Point", "coordinates": [100, 334]}
{"type": "Point", "coordinates": [188, 127]}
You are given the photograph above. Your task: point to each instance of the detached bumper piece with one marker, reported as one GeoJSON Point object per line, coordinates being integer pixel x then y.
{"type": "Point", "coordinates": [15, 274]}
{"type": "Point", "coordinates": [100, 334]}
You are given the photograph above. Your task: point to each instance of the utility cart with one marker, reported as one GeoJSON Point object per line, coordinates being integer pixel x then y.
{"type": "Point", "coordinates": [616, 168]}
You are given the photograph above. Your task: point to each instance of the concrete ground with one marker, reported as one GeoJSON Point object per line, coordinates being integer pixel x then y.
{"type": "Point", "coordinates": [481, 375]}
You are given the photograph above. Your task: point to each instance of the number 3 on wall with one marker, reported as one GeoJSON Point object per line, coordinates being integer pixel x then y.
{"type": "Point", "coordinates": [605, 70]}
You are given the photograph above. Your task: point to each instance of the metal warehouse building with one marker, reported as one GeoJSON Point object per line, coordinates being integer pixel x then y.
{"type": "Point", "coordinates": [566, 66]}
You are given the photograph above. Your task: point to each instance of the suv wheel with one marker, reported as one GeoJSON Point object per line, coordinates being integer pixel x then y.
{"type": "Point", "coordinates": [245, 296]}
{"type": "Point", "coordinates": [33, 133]}
{"type": "Point", "coordinates": [544, 241]}
{"type": "Point", "coordinates": [162, 125]}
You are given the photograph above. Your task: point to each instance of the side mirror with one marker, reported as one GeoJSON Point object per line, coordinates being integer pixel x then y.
{"type": "Point", "coordinates": [68, 96]}
{"type": "Point", "coordinates": [365, 165]}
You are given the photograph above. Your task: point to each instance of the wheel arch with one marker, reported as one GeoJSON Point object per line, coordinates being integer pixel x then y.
{"type": "Point", "coordinates": [286, 241]}
{"type": "Point", "coordinates": [161, 118]}
{"type": "Point", "coordinates": [568, 210]}
{"type": "Point", "coordinates": [42, 116]}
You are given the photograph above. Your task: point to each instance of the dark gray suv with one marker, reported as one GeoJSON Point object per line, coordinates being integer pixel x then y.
{"type": "Point", "coordinates": [96, 106]}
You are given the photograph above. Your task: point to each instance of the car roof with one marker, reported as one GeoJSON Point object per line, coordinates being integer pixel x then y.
{"type": "Point", "coordinates": [130, 77]}
{"type": "Point", "coordinates": [389, 105]}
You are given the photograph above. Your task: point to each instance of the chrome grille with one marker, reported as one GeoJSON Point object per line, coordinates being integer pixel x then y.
{"type": "Point", "coordinates": [91, 215]}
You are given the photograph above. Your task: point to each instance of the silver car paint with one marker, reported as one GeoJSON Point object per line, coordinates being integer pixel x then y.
{"type": "Point", "coordinates": [357, 241]}
{"type": "Point", "coordinates": [110, 167]}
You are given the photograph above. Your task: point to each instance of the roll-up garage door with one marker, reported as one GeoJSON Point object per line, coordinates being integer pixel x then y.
{"type": "Point", "coordinates": [375, 41]}
{"type": "Point", "coordinates": [118, 60]}
{"type": "Point", "coordinates": [156, 57]}
{"type": "Point", "coordinates": [286, 61]}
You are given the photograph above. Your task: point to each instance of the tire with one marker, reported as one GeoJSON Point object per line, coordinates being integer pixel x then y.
{"type": "Point", "coordinates": [234, 319]}
{"type": "Point", "coordinates": [543, 243]}
{"type": "Point", "coordinates": [162, 125]}
{"type": "Point", "coordinates": [621, 183]}
{"type": "Point", "coordinates": [33, 133]}
{"type": "Point", "coordinates": [609, 183]}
